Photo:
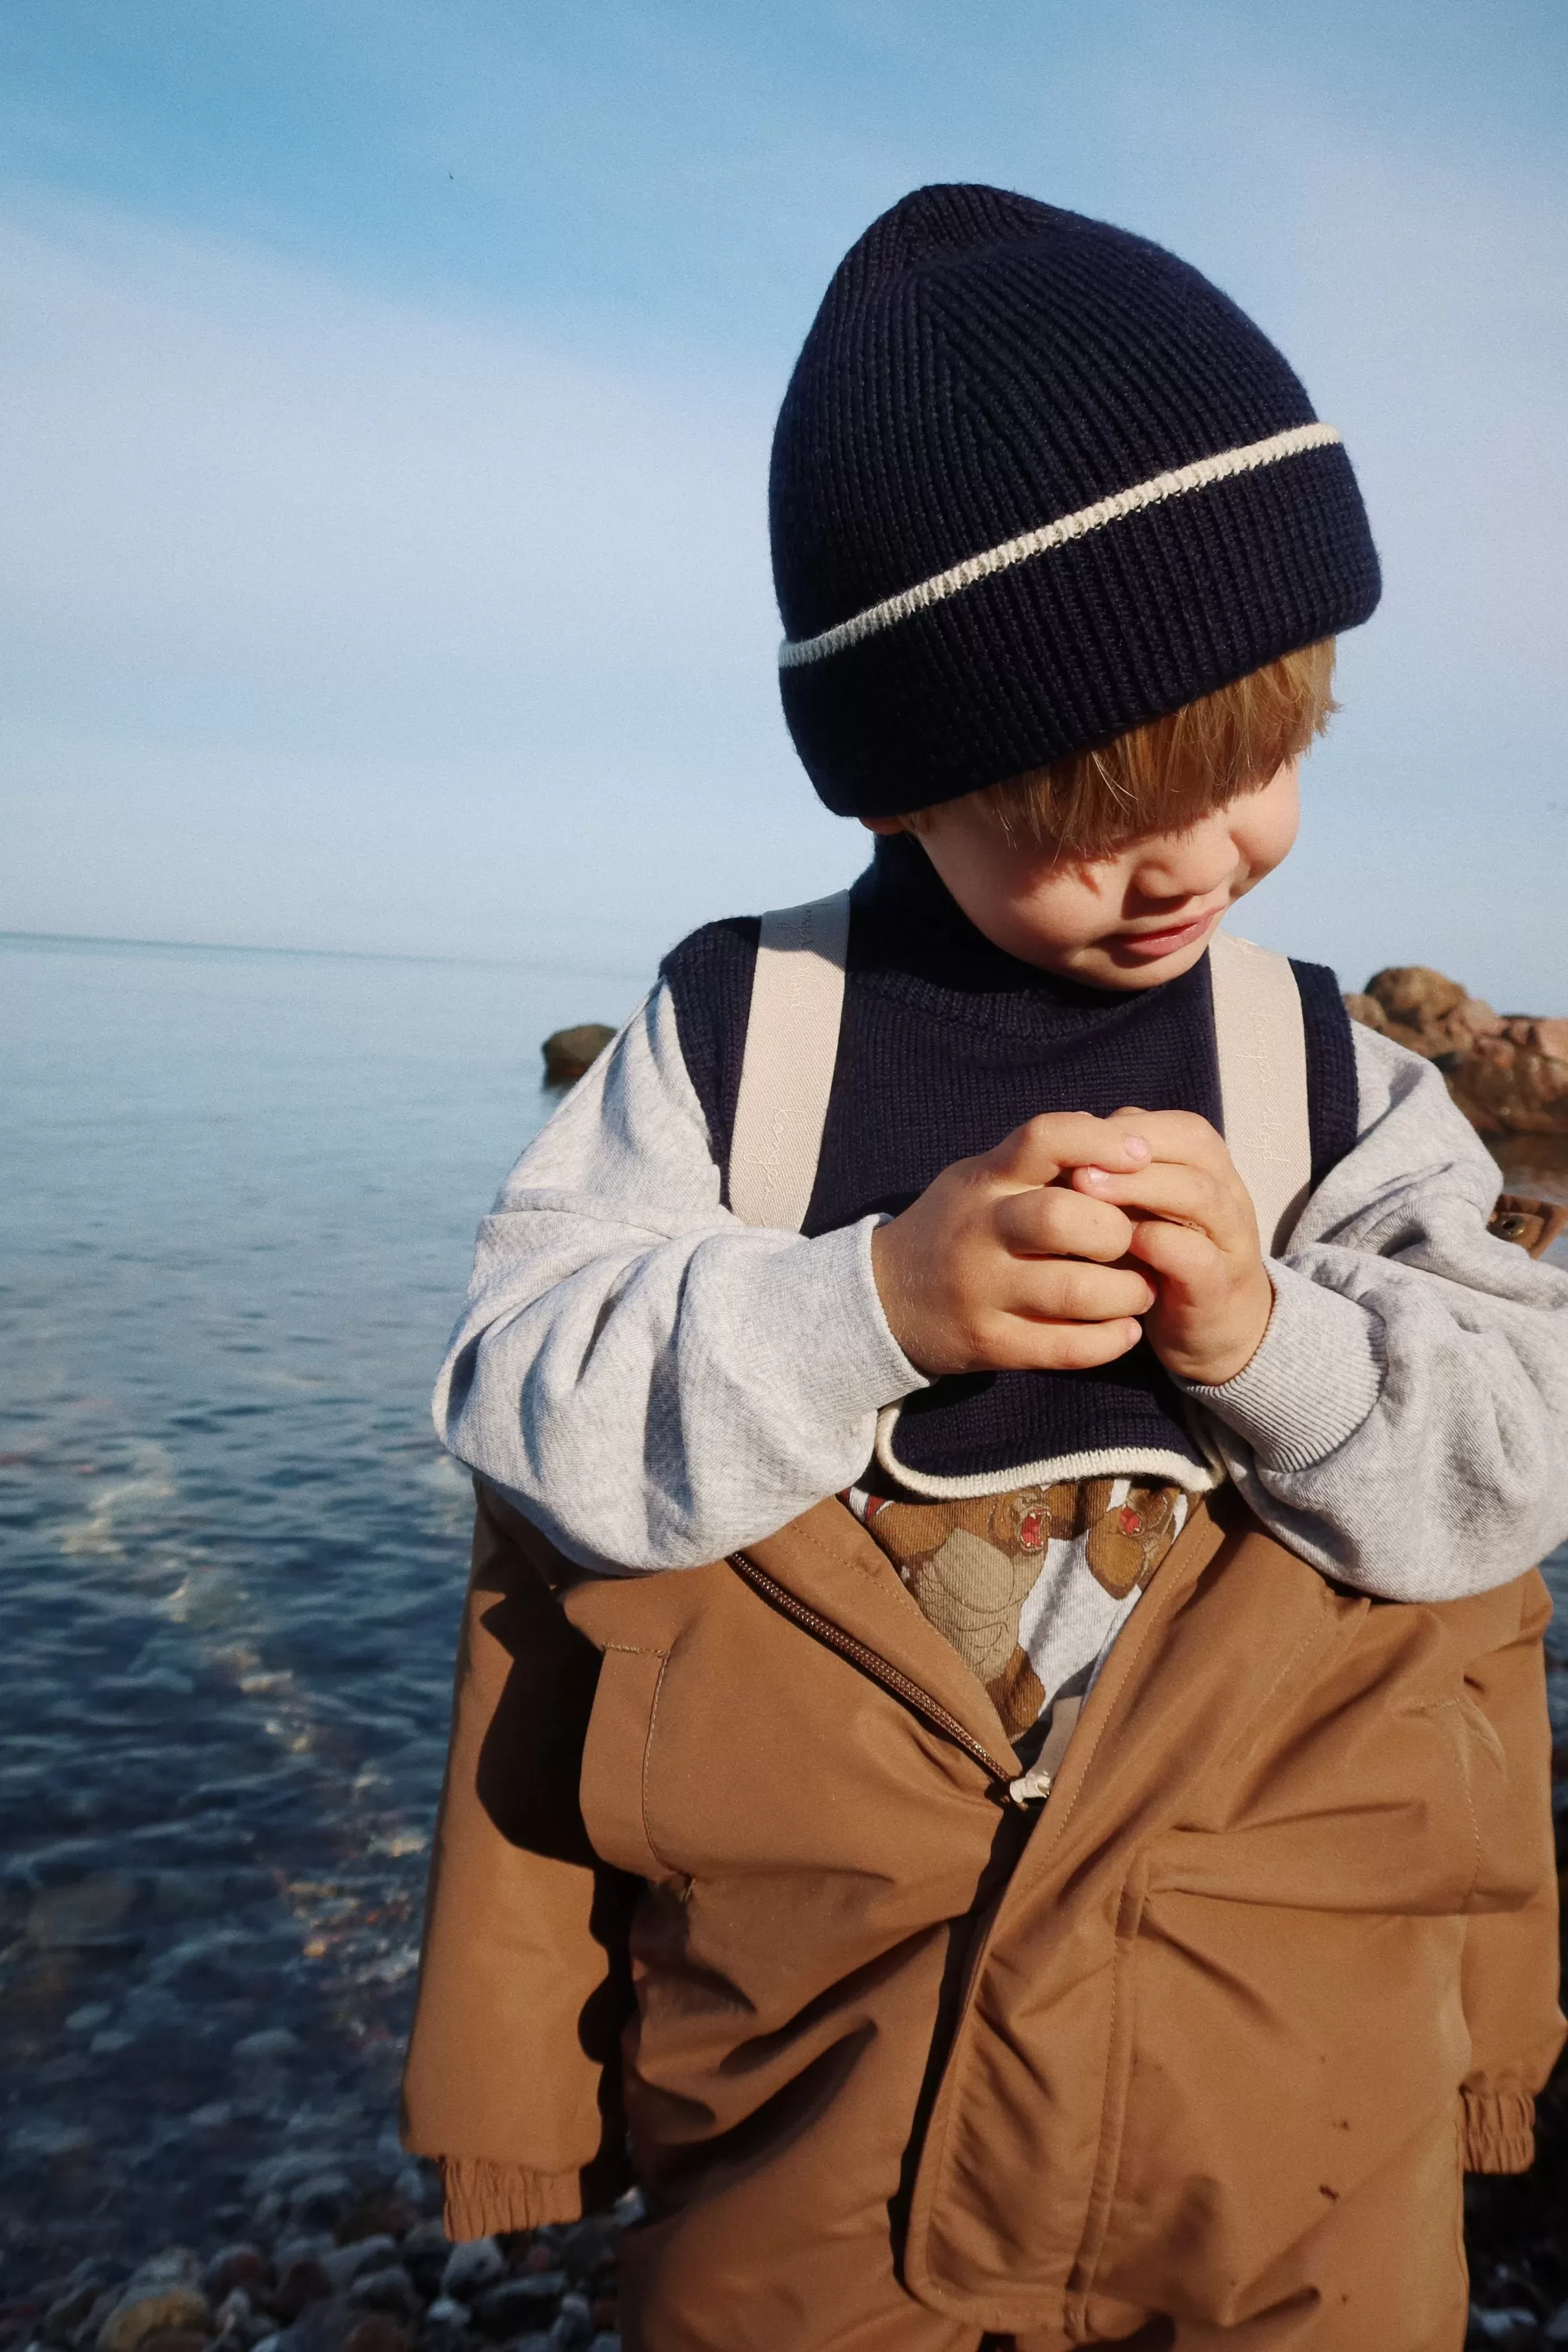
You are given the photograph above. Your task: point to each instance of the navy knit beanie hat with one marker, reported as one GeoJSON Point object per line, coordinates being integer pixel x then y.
{"type": "Point", "coordinates": [1035, 482]}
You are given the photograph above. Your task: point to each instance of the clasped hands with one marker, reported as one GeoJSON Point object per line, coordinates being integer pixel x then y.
{"type": "Point", "coordinates": [1072, 1240]}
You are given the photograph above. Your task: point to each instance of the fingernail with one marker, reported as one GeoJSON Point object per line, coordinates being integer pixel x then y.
{"type": "Point", "coordinates": [1097, 1175]}
{"type": "Point", "coordinates": [1136, 1149]}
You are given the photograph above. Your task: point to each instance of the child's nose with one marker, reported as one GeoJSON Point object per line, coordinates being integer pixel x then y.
{"type": "Point", "coordinates": [1189, 865]}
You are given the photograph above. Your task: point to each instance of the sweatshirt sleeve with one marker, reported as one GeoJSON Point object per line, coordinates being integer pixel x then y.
{"type": "Point", "coordinates": [651, 1382]}
{"type": "Point", "coordinates": [1404, 1424]}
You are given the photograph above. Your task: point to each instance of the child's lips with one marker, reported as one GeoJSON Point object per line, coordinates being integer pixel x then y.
{"type": "Point", "coordinates": [1150, 946]}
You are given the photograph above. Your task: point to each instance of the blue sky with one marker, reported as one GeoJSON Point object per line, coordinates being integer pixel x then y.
{"type": "Point", "coordinates": [390, 388]}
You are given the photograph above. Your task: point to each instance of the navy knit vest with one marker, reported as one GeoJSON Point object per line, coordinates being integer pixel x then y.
{"type": "Point", "coordinates": [946, 1045]}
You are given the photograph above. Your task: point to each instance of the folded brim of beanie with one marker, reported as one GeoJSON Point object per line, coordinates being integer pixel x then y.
{"type": "Point", "coordinates": [1096, 632]}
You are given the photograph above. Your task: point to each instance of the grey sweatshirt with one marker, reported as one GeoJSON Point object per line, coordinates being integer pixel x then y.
{"type": "Point", "coordinates": [655, 1384]}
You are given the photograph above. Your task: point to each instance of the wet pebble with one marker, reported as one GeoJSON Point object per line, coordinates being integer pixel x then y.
{"type": "Point", "coordinates": [471, 2267]}
{"type": "Point", "coordinates": [239, 2265]}
{"type": "Point", "coordinates": [585, 2245]}
{"type": "Point", "coordinates": [345, 2263]}
{"type": "Point", "coordinates": [322, 2327]}
{"type": "Point", "coordinates": [320, 2202]}
{"type": "Point", "coordinates": [574, 2323]}
{"type": "Point", "coordinates": [377, 2333]}
{"type": "Point", "coordinates": [389, 2290]}
{"type": "Point", "coordinates": [517, 2304]}
{"type": "Point", "coordinates": [291, 2284]}
{"type": "Point", "coordinates": [302, 2246]}
{"type": "Point", "coordinates": [447, 2315]}
{"type": "Point", "coordinates": [71, 2312]}
{"type": "Point", "coordinates": [380, 2213]}
{"type": "Point", "coordinates": [301, 2284]}
{"type": "Point", "coordinates": [154, 2305]}
{"type": "Point", "coordinates": [1512, 2328]}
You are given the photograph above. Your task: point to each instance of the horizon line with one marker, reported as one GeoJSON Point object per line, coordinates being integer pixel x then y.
{"type": "Point", "coordinates": [249, 947]}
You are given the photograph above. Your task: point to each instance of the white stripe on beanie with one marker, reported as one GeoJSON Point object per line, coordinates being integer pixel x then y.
{"type": "Point", "coordinates": [795, 652]}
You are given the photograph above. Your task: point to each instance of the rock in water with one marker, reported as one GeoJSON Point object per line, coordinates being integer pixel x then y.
{"type": "Point", "coordinates": [569, 1052]}
{"type": "Point", "coordinates": [1515, 1083]}
{"type": "Point", "coordinates": [1508, 1072]}
{"type": "Point", "coordinates": [1424, 1010]}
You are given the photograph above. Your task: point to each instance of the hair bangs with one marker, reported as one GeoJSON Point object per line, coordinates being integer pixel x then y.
{"type": "Point", "coordinates": [1168, 774]}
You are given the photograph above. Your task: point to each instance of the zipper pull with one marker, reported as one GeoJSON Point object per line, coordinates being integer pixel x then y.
{"type": "Point", "coordinates": [1030, 1788]}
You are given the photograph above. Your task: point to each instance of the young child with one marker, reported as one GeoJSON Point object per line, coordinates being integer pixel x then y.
{"type": "Point", "coordinates": [1067, 1903]}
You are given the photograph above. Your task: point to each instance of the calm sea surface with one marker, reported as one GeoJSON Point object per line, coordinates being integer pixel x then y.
{"type": "Point", "coordinates": [238, 1195]}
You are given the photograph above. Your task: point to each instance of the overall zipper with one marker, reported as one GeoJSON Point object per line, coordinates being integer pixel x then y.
{"type": "Point", "coordinates": [868, 1661]}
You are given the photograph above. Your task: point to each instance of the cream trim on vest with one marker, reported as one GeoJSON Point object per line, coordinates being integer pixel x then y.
{"type": "Point", "coordinates": [786, 1068]}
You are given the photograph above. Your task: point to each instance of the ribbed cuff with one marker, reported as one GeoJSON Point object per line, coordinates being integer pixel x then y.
{"type": "Point", "coordinates": [482, 2197]}
{"type": "Point", "coordinates": [1499, 2130]}
{"type": "Point", "coordinates": [1316, 1376]}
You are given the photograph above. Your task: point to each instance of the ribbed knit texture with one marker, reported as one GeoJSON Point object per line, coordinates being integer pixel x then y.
{"type": "Point", "coordinates": [982, 365]}
{"type": "Point", "coordinates": [1498, 2130]}
{"type": "Point", "coordinates": [947, 1044]}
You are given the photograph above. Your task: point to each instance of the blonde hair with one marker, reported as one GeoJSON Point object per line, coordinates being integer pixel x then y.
{"type": "Point", "coordinates": [1167, 774]}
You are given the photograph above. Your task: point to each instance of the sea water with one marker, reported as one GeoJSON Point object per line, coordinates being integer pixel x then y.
{"type": "Point", "coordinates": [237, 1194]}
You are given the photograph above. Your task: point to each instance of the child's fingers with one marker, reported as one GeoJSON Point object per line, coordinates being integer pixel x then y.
{"type": "Point", "coordinates": [1179, 1191]}
{"type": "Point", "coordinates": [1169, 1188]}
{"type": "Point", "coordinates": [1176, 1135]}
{"type": "Point", "coordinates": [1182, 1255]}
{"type": "Point", "coordinates": [1037, 1152]}
{"type": "Point", "coordinates": [1050, 1221]}
{"type": "Point", "coordinates": [1072, 1290]}
{"type": "Point", "coordinates": [1030, 1345]}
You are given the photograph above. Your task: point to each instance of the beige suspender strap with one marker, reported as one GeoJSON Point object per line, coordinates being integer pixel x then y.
{"type": "Point", "coordinates": [792, 1044]}
{"type": "Point", "coordinates": [1262, 1044]}
{"type": "Point", "coordinates": [787, 1070]}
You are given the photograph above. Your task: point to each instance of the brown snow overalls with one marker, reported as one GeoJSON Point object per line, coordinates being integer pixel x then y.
{"type": "Point", "coordinates": [1190, 2055]}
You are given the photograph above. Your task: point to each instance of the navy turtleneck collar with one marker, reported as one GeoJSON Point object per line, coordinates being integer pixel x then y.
{"type": "Point", "coordinates": [906, 920]}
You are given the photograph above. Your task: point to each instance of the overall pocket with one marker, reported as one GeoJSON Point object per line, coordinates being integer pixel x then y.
{"type": "Point", "coordinates": [1290, 2009]}
{"type": "Point", "coordinates": [614, 1777]}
